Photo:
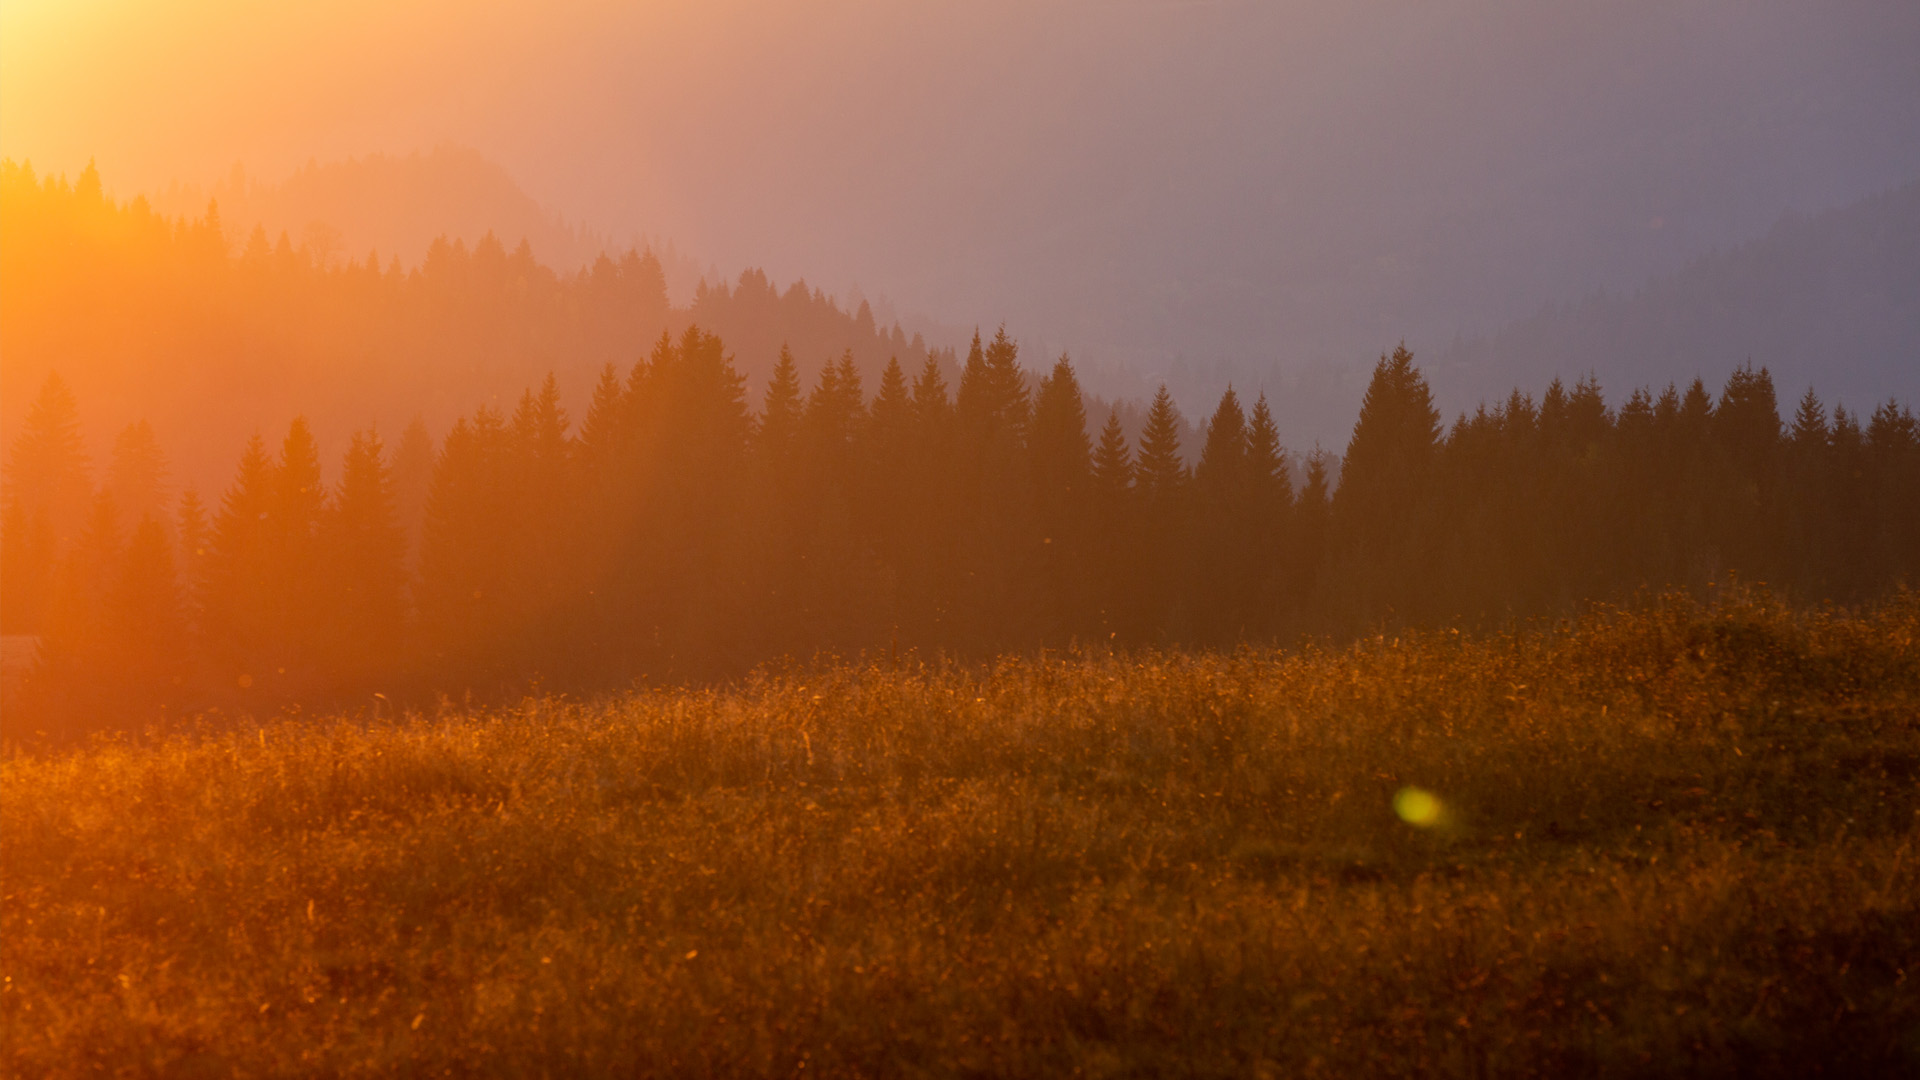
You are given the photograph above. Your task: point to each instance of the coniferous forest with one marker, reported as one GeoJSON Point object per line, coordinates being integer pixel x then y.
{"type": "Point", "coordinates": [674, 527]}
{"type": "Point", "coordinates": [675, 531]}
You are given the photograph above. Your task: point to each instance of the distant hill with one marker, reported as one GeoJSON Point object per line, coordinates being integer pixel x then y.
{"type": "Point", "coordinates": [398, 206]}
{"type": "Point", "coordinates": [1830, 300]}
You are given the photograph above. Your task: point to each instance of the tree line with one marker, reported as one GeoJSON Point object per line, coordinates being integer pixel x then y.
{"type": "Point", "coordinates": [212, 327]}
{"type": "Point", "coordinates": [674, 532]}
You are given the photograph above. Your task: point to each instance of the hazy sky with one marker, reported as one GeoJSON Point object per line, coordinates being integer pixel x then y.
{"type": "Point", "coordinates": [1197, 189]}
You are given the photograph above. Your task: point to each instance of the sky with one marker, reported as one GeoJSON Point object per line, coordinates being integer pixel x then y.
{"type": "Point", "coordinates": [1268, 193]}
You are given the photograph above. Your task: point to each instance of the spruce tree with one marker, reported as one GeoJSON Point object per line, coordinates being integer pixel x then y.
{"type": "Point", "coordinates": [1061, 459]}
{"type": "Point", "coordinates": [1808, 435]}
{"type": "Point", "coordinates": [1383, 511]}
{"type": "Point", "coordinates": [1228, 569]}
{"type": "Point", "coordinates": [1166, 552]}
{"type": "Point", "coordinates": [365, 564]}
{"type": "Point", "coordinates": [1221, 473]}
{"type": "Point", "coordinates": [932, 409]}
{"type": "Point", "coordinates": [412, 472]}
{"type": "Point", "coordinates": [887, 459]}
{"type": "Point", "coordinates": [1807, 517]}
{"type": "Point", "coordinates": [1158, 471]}
{"type": "Point", "coordinates": [1313, 517]}
{"type": "Point", "coordinates": [1273, 574]}
{"type": "Point", "coordinates": [604, 424]}
{"type": "Point", "coordinates": [238, 604]}
{"type": "Point", "coordinates": [1747, 442]}
{"type": "Point", "coordinates": [1272, 482]}
{"type": "Point", "coordinates": [1059, 448]}
{"type": "Point", "coordinates": [1113, 461]}
{"type": "Point", "coordinates": [295, 585]}
{"type": "Point", "coordinates": [779, 428]}
{"type": "Point", "coordinates": [540, 460]}
{"type": "Point", "coordinates": [47, 470]}
{"type": "Point", "coordinates": [892, 412]}
{"type": "Point", "coordinates": [835, 413]}
{"type": "Point", "coordinates": [1893, 465]}
{"type": "Point", "coordinates": [992, 406]}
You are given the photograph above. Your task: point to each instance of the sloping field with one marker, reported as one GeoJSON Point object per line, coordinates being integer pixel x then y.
{"type": "Point", "coordinates": [1672, 840]}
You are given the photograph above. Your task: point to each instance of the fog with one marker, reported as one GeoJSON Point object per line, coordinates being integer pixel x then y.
{"type": "Point", "coordinates": [1268, 193]}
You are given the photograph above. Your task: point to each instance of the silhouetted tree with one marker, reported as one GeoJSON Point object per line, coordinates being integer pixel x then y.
{"type": "Point", "coordinates": [364, 566]}
{"type": "Point", "coordinates": [46, 501]}
{"type": "Point", "coordinates": [1062, 489]}
{"type": "Point", "coordinates": [239, 616]}
{"type": "Point", "coordinates": [1382, 513]}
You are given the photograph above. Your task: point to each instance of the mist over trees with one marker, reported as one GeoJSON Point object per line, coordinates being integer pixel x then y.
{"type": "Point", "coordinates": [680, 521]}
{"type": "Point", "coordinates": [1831, 297]}
{"type": "Point", "coordinates": [678, 531]}
{"type": "Point", "coordinates": [214, 329]}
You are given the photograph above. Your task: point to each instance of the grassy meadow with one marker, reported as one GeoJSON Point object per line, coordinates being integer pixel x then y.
{"type": "Point", "coordinates": [1676, 839]}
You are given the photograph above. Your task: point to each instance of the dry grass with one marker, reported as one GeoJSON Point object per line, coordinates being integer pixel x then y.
{"type": "Point", "coordinates": [1675, 840]}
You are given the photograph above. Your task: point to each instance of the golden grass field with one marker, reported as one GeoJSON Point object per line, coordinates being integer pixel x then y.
{"type": "Point", "coordinates": [1677, 839]}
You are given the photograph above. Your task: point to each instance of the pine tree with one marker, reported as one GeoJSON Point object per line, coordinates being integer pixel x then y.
{"type": "Point", "coordinates": [1383, 511]}
{"type": "Point", "coordinates": [295, 585]}
{"type": "Point", "coordinates": [412, 472]}
{"type": "Point", "coordinates": [1113, 462]}
{"type": "Point", "coordinates": [1746, 422]}
{"type": "Point", "coordinates": [1397, 434]}
{"type": "Point", "coordinates": [835, 413]}
{"type": "Point", "coordinates": [1747, 441]}
{"type": "Point", "coordinates": [604, 425]}
{"type": "Point", "coordinates": [1158, 471]}
{"type": "Point", "coordinates": [1807, 518]}
{"type": "Point", "coordinates": [1313, 517]}
{"type": "Point", "coordinates": [1893, 478]}
{"type": "Point", "coordinates": [1060, 449]}
{"type": "Point", "coordinates": [45, 503]}
{"type": "Point", "coordinates": [779, 427]}
{"type": "Point", "coordinates": [1166, 553]}
{"type": "Point", "coordinates": [238, 611]}
{"type": "Point", "coordinates": [1062, 481]}
{"type": "Point", "coordinates": [1808, 436]}
{"type": "Point", "coordinates": [1272, 483]}
{"type": "Point", "coordinates": [365, 565]}
{"type": "Point", "coordinates": [540, 435]}
{"type": "Point", "coordinates": [540, 479]}
{"type": "Point", "coordinates": [892, 412]}
{"type": "Point", "coordinates": [1274, 577]}
{"type": "Point", "coordinates": [931, 407]}
{"type": "Point", "coordinates": [1228, 568]}
{"type": "Point", "coordinates": [47, 466]}
{"type": "Point", "coordinates": [887, 460]}
{"type": "Point", "coordinates": [1007, 386]}
{"type": "Point", "coordinates": [1221, 472]}
{"type": "Point", "coordinates": [992, 407]}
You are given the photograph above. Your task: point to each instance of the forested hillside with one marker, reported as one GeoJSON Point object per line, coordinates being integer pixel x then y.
{"type": "Point", "coordinates": [212, 336]}
{"type": "Point", "coordinates": [682, 521]}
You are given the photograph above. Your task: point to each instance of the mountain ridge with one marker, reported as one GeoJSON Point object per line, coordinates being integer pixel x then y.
{"type": "Point", "coordinates": [1830, 299]}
